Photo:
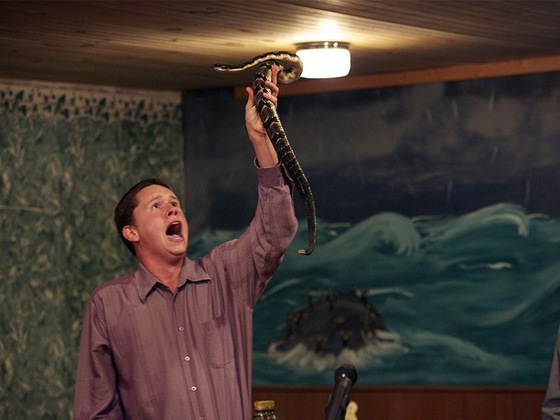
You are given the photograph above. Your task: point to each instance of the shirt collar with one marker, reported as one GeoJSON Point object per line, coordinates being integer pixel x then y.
{"type": "Point", "coordinates": [146, 281]}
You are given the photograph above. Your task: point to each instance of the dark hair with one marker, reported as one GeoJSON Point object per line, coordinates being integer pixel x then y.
{"type": "Point", "coordinates": [125, 209]}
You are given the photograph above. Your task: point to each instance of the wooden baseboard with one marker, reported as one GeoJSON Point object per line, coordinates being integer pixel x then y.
{"type": "Point", "coordinates": [412, 402]}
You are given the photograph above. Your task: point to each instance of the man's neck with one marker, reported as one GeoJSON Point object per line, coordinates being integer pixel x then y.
{"type": "Point", "coordinates": [167, 273]}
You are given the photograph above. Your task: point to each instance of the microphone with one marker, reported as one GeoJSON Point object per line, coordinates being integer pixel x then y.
{"type": "Point", "coordinates": [344, 377]}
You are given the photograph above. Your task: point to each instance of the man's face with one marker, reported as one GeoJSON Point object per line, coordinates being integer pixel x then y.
{"type": "Point", "coordinates": [159, 228]}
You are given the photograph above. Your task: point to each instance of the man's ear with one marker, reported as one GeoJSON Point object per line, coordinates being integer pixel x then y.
{"type": "Point", "coordinates": [130, 233]}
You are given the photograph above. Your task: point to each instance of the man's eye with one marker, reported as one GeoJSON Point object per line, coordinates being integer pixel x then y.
{"type": "Point", "coordinates": [155, 206]}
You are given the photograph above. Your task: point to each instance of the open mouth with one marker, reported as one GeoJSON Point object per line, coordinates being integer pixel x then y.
{"type": "Point", "coordinates": [174, 230]}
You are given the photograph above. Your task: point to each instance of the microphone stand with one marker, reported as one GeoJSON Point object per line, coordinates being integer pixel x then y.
{"type": "Point", "coordinates": [345, 377]}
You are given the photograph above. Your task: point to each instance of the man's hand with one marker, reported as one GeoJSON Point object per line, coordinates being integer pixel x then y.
{"type": "Point", "coordinates": [266, 155]}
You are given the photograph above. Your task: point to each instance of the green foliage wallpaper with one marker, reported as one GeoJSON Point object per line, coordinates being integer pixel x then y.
{"type": "Point", "coordinates": [67, 154]}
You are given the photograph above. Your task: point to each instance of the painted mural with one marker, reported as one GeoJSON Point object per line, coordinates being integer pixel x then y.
{"type": "Point", "coordinates": [438, 257]}
{"type": "Point", "coordinates": [67, 154]}
{"type": "Point", "coordinates": [439, 229]}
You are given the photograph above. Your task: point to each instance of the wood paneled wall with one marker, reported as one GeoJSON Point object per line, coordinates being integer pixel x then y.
{"type": "Point", "coordinates": [409, 402]}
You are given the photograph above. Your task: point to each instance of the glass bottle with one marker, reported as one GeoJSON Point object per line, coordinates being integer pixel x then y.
{"type": "Point", "coordinates": [264, 410]}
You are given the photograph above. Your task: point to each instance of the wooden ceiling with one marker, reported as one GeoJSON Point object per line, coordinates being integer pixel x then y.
{"type": "Point", "coordinates": [170, 45]}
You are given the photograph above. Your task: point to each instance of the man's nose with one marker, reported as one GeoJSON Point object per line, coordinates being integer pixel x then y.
{"type": "Point", "coordinates": [172, 211]}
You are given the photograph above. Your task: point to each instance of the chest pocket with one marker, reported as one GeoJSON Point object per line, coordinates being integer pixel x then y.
{"type": "Point", "coordinates": [219, 341]}
{"type": "Point", "coordinates": [216, 330]}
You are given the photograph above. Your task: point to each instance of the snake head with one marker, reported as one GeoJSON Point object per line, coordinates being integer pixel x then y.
{"type": "Point", "coordinates": [289, 74]}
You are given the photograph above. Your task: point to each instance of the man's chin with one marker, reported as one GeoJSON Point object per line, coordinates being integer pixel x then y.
{"type": "Point", "coordinates": [179, 251]}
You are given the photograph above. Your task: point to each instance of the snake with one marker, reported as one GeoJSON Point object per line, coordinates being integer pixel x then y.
{"type": "Point", "coordinates": [290, 68]}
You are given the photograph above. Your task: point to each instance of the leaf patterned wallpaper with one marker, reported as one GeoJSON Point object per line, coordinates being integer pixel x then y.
{"type": "Point", "coordinates": [67, 154]}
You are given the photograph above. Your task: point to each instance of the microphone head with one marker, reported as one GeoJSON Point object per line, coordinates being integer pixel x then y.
{"type": "Point", "coordinates": [346, 371]}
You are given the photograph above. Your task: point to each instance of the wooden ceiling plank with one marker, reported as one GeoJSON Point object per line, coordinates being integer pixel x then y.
{"type": "Point", "coordinates": [177, 40]}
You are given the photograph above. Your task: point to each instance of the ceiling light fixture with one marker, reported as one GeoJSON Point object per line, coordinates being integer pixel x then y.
{"type": "Point", "coordinates": [325, 59]}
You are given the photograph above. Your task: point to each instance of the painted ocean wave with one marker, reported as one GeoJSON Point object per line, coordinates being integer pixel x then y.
{"type": "Point", "coordinates": [473, 299]}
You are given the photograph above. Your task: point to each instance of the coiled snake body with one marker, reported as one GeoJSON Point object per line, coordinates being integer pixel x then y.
{"type": "Point", "coordinates": [289, 70]}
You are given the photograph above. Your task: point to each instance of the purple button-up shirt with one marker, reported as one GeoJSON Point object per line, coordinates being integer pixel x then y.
{"type": "Point", "coordinates": [146, 353]}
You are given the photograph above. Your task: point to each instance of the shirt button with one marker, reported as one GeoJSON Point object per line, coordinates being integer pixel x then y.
{"type": "Point", "coordinates": [187, 358]}
{"type": "Point", "coordinates": [193, 388]}
{"type": "Point", "coordinates": [181, 328]}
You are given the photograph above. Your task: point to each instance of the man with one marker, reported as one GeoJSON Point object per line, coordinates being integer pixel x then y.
{"type": "Point", "coordinates": [173, 340]}
{"type": "Point", "coordinates": [551, 404]}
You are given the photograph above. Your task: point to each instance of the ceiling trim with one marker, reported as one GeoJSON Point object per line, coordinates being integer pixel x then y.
{"type": "Point", "coordinates": [414, 77]}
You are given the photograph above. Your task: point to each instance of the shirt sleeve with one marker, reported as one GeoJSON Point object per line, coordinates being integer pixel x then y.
{"type": "Point", "coordinates": [551, 404]}
{"type": "Point", "coordinates": [96, 394]}
{"type": "Point", "coordinates": [251, 260]}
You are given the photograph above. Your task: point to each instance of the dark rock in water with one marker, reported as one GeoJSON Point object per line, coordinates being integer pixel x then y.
{"type": "Point", "coordinates": [334, 323]}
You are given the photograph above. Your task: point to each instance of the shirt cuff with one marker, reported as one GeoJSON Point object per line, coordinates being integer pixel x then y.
{"type": "Point", "coordinates": [271, 177]}
{"type": "Point", "coordinates": [274, 177]}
